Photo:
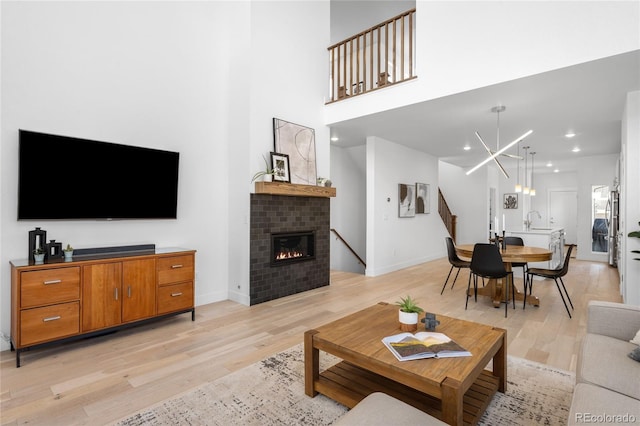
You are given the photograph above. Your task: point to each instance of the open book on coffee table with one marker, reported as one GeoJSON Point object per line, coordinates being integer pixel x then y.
{"type": "Point", "coordinates": [425, 344]}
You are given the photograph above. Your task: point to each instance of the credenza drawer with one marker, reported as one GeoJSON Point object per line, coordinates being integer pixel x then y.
{"type": "Point", "coordinates": [175, 269]}
{"type": "Point", "coordinates": [175, 297]}
{"type": "Point", "coordinates": [49, 323]}
{"type": "Point", "coordinates": [49, 286]}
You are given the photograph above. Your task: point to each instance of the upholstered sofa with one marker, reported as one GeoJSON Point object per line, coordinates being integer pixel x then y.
{"type": "Point", "coordinates": [607, 380]}
{"type": "Point", "coordinates": [381, 409]}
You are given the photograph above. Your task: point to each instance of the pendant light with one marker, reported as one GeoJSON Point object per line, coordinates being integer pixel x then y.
{"type": "Point", "coordinates": [518, 186]}
{"type": "Point", "coordinates": [525, 190]}
{"type": "Point", "coordinates": [532, 190]}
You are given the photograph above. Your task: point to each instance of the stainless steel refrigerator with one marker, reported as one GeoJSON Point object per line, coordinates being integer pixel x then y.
{"type": "Point", "coordinates": [613, 210]}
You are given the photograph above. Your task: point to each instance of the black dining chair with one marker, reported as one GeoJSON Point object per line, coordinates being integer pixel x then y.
{"type": "Point", "coordinates": [518, 241]}
{"type": "Point", "coordinates": [486, 262]}
{"type": "Point", "coordinates": [455, 262]}
{"type": "Point", "coordinates": [556, 274]}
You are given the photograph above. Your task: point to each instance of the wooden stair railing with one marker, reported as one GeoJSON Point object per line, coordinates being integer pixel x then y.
{"type": "Point", "coordinates": [349, 247]}
{"type": "Point", "coordinates": [377, 57]}
{"type": "Point", "coordinates": [448, 218]}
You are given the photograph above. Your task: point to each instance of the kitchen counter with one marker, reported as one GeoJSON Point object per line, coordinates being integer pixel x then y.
{"type": "Point", "coordinates": [549, 238]}
{"type": "Point", "coordinates": [533, 230]}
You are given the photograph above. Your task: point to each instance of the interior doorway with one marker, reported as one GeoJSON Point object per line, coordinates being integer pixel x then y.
{"type": "Point", "coordinates": [563, 212]}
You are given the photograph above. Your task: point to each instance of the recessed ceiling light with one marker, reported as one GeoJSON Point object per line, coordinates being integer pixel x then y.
{"type": "Point", "coordinates": [576, 149]}
{"type": "Point", "coordinates": [556, 171]}
{"type": "Point", "coordinates": [569, 135]}
{"type": "Point", "coordinates": [467, 148]}
{"type": "Point", "coordinates": [334, 139]}
{"type": "Point", "coordinates": [549, 164]}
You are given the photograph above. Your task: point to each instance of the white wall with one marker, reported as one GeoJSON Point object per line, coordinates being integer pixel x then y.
{"type": "Point", "coordinates": [348, 208]}
{"type": "Point", "coordinates": [286, 72]}
{"type": "Point", "coordinates": [201, 78]}
{"type": "Point", "coordinates": [392, 242]}
{"type": "Point", "coordinates": [630, 203]}
{"type": "Point", "coordinates": [468, 199]}
{"type": "Point", "coordinates": [464, 45]}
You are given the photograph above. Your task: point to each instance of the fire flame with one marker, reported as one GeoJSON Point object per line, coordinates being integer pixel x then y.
{"type": "Point", "coordinates": [291, 254]}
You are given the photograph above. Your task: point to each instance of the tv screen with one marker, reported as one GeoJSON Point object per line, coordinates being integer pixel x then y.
{"type": "Point", "coordinates": [63, 177]}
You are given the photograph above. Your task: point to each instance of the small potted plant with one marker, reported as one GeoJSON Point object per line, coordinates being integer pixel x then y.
{"type": "Point", "coordinates": [268, 171]}
{"type": "Point", "coordinates": [68, 252]}
{"type": "Point", "coordinates": [408, 314]}
{"type": "Point", "coordinates": [38, 255]}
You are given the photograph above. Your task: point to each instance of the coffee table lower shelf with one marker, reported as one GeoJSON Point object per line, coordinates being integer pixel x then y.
{"type": "Point", "coordinates": [349, 384]}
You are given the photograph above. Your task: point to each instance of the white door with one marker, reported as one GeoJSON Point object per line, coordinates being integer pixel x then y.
{"type": "Point", "coordinates": [563, 212]}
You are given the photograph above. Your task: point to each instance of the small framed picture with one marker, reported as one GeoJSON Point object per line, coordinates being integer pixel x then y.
{"type": "Point", "coordinates": [406, 200]}
{"type": "Point", "coordinates": [511, 201]}
{"type": "Point", "coordinates": [280, 166]}
{"type": "Point", "coordinates": [422, 198]}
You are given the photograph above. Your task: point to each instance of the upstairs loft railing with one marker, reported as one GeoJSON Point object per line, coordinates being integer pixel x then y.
{"type": "Point", "coordinates": [378, 57]}
{"type": "Point", "coordinates": [448, 218]}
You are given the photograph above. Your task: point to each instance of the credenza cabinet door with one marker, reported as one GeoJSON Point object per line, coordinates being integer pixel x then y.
{"type": "Point", "coordinates": [139, 288]}
{"type": "Point", "coordinates": [101, 295]}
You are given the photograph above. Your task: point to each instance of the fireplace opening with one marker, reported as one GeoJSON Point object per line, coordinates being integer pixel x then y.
{"type": "Point", "coordinates": [290, 247]}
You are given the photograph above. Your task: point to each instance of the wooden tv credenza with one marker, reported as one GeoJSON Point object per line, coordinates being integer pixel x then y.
{"type": "Point", "coordinates": [97, 293]}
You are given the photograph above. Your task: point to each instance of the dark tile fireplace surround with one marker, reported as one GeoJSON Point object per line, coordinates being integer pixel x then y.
{"type": "Point", "coordinates": [304, 218]}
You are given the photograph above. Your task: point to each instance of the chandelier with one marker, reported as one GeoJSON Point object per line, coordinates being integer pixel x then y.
{"type": "Point", "coordinates": [493, 154]}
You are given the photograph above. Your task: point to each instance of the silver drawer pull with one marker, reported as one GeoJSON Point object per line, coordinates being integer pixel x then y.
{"type": "Point", "coordinates": [176, 294]}
{"type": "Point", "coordinates": [52, 282]}
{"type": "Point", "coordinates": [57, 317]}
{"type": "Point", "coordinates": [176, 266]}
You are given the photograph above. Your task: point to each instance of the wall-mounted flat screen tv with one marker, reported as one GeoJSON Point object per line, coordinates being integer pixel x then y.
{"type": "Point", "coordinates": [64, 177]}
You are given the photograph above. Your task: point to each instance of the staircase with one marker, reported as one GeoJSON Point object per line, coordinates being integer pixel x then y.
{"type": "Point", "coordinates": [448, 218]}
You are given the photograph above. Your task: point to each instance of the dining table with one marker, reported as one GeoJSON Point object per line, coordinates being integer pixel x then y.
{"type": "Point", "coordinates": [510, 254]}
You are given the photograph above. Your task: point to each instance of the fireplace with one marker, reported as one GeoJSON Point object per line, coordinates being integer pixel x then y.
{"type": "Point", "coordinates": [292, 247]}
{"type": "Point", "coordinates": [284, 222]}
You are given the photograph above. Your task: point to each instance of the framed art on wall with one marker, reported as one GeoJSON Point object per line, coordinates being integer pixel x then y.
{"type": "Point", "coordinates": [280, 167]}
{"type": "Point", "coordinates": [511, 201]}
{"type": "Point", "coordinates": [422, 198]}
{"type": "Point", "coordinates": [299, 143]}
{"type": "Point", "coordinates": [406, 200]}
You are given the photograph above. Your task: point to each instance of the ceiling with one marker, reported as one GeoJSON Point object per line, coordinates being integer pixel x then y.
{"type": "Point", "coordinates": [587, 99]}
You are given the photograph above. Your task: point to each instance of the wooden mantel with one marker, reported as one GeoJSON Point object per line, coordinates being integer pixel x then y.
{"type": "Point", "coordinates": [294, 190]}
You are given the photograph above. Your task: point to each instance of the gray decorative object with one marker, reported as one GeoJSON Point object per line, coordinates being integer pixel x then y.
{"type": "Point", "coordinates": [299, 143]}
{"type": "Point", "coordinates": [430, 321]}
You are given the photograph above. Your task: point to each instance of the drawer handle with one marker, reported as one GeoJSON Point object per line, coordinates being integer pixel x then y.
{"type": "Point", "coordinates": [52, 282]}
{"type": "Point", "coordinates": [57, 317]}
{"type": "Point", "coordinates": [176, 294]}
{"type": "Point", "coordinates": [176, 266]}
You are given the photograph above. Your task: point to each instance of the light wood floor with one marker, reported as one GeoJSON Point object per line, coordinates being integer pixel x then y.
{"type": "Point", "coordinates": [99, 380]}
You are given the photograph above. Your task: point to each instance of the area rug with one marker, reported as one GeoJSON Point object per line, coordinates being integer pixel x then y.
{"type": "Point", "coordinates": [271, 392]}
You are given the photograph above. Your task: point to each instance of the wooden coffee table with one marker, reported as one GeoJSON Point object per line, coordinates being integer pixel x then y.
{"type": "Point", "coordinates": [455, 390]}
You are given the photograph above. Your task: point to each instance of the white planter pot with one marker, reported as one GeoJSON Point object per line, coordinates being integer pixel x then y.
{"type": "Point", "coordinates": [408, 321]}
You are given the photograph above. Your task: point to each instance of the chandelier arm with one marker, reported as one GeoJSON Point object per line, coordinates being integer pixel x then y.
{"type": "Point", "coordinates": [504, 172]}
{"type": "Point", "coordinates": [485, 161]}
